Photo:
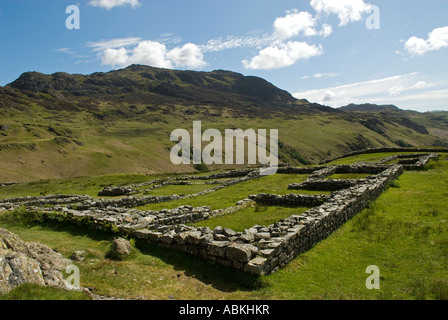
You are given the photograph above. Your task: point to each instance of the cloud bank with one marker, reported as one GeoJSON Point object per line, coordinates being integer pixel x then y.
{"type": "Point", "coordinates": [346, 10]}
{"type": "Point", "coordinates": [278, 49]}
{"type": "Point", "coordinates": [282, 55]}
{"type": "Point", "coordinates": [406, 89]}
{"type": "Point", "coordinates": [109, 4]}
{"type": "Point", "coordinates": [437, 39]}
{"type": "Point", "coordinates": [115, 53]}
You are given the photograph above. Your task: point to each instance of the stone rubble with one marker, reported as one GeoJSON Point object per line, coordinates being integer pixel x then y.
{"type": "Point", "coordinates": [260, 249]}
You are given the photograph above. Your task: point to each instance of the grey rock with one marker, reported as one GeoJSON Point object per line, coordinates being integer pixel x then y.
{"type": "Point", "coordinates": [228, 232]}
{"type": "Point", "coordinates": [120, 249]}
{"type": "Point", "coordinates": [240, 252]}
{"type": "Point", "coordinates": [79, 255]}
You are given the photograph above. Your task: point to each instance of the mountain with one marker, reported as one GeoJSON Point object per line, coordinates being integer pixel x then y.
{"type": "Point", "coordinates": [434, 123]}
{"type": "Point", "coordinates": [370, 108]}
{"type": "Point", "coordinates": [67, 125]}
{"type": "Point", "coordinates": [139, 84]}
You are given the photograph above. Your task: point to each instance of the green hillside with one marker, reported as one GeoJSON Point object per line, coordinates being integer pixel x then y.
{"type": "Point", "coordinates": [403, 232]}
{"type": "Point", "coordinates": [64, 126]}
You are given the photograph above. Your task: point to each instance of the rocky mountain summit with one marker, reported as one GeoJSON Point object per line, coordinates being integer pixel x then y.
{"type": "Point", "coordinates": [156, 86]}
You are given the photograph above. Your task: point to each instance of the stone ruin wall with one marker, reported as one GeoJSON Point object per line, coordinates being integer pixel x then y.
{"type": "Point", "coordinates": [259, 250]}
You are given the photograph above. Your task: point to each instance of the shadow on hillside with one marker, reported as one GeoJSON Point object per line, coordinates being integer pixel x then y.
{"type": "Point", "coordinates": [214, 274]}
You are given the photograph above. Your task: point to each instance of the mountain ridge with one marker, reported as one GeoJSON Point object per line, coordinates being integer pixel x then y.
{"type": "Point", "coordinates": [370, 108]}
{"type": "Point", "coordinates": [144, 84]}
{"type": "Point", "coordinates": [63, 126]}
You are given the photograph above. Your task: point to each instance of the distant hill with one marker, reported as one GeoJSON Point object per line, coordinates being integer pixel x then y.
{"type": "Point", "coordinates": [156, 86]}
{"type": "Point", "coordinates": [370, 108]}
{"type": "Point", "coordinates": [68, 125]}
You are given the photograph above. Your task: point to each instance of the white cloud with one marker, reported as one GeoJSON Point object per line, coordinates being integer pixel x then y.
{"type": "Point", "coordinates": [71, 53]}
{"type": "Point", "coordinates": [328, 96]}
{"type": "Point", "coordinates": [346, 10]}
{"type": "Point", "coordinates": [250, 40]}
{"type": "Point", "coordinates": [295, 23]}
{"type": "Point", "coordinates": [188, 55]}
{"type": "Point", "coordinates": [361, 92]}
{"type": "Point", "coordinates": [321, 75]}
{"type": "Point", "coordinates": [406, 91]}
{"type": "Point", "coordinates": [149, 53]}
{"type": "Point", "coordinates": [154, 54]}
{"type": "Point", "coordinates": [109, 4]}
{"type": "Point", "coordinates": [282, 55]}
{"type": "Point", "coordinates": [396, 90]}
{"type": "Point", "coordinates": [114, 43]}
{"type": "Point", "coordinates": [420, 85]}
{"type": "Point", "coordinates": [115, 57]}
{"type": "Point", "coordinates": [437, 39]}
{"type": "Point", "coordinates": [326, 30]}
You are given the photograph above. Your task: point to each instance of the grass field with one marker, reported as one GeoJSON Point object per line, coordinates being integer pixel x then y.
{"type": "Point", "coordinates": [404, 233]}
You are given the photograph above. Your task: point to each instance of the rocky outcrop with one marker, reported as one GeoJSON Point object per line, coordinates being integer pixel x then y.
{"type": "Point", "coordinates": [28, 262]}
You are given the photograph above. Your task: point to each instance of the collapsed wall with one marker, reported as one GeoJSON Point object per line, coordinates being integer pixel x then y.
{"type": "Point", "coordinates": [260, 249]}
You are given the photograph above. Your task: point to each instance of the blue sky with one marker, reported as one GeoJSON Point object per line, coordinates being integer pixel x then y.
{"type": "Point", "coordinates": [320, 50]}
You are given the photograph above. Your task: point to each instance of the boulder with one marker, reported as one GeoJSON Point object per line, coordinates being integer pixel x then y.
{"type": "Point", "coordinates": [16, 269]}
{"type": "Point", "coordinates": [22, 262]}
{"type": "Point", "coordinates": [121, 248]}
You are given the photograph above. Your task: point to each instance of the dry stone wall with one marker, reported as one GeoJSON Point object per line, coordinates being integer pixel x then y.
{"type": "Point", "coordinates": [298, 200]}
{"type": "Point", "coordinates": [260, 249]}
{"type": "Point", "coordinates": [390, 149]}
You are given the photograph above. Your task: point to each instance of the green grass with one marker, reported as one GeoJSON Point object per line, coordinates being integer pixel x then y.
{"type": "Point", "coordinates": [250, 216]}
{"type": "Point", "coordinates": [139, 142]}
{"type": "Point", "coordinates": [179, 189]}
{"type": "Point", "coordinates": [36, 292]}
{"type": "Point", "coordinates": [149, 271]}
{"type": "Point", "coordinates": [83, 185]}
{"type": "Point", "coordinates": [229, 196]}
{"type": "Point", "coordinates": [404, 232]}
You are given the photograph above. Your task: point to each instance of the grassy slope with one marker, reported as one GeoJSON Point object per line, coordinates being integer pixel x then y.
{"type": "Point", "coordinates": [30, 149]}
{"type": "Point", "coordinates": [404, 233]}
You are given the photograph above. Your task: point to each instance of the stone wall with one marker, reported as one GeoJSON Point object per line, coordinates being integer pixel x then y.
{"type": "Point", "coordinates": [389, 149]}
{"type": "Point", "coordinates": [298, 200]}
{"type": "Point", "coordinates": [260, 249]}
{"type": "Point", "coordinates": [131, 219]}
{"type": "Point", "coordinates": [318, 180]}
